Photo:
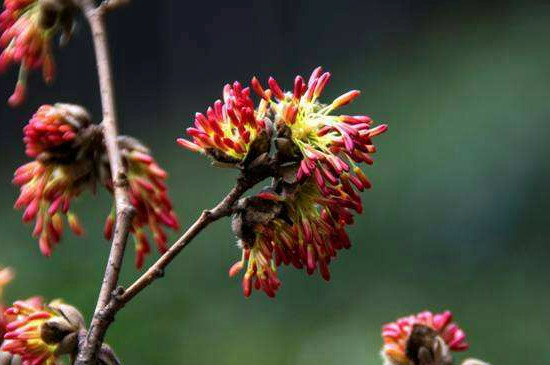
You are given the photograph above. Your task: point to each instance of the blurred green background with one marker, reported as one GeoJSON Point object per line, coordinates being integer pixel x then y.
{"type": "Point", "coordinates": [458, 217]}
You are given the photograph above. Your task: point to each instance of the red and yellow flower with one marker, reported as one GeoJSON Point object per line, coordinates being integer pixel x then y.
{"type": "Point", "coordinates": [397, 335]}
{"type": "Point", "coordinates": [306, 230]}
{"type": "Point", "coordinates": [228, 130]}
{"type": "Point", "coordinates": [331, 146]}
{"type": "Point", "coordinates": [40, 333]}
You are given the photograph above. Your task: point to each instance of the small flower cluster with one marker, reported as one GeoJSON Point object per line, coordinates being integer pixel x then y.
{"type": "Point", "coordinates": [62, 171]}
{"type": "Point", "coordinates": [35, 333]}
{"type": "Point", "coordinates": [304, 229]}
{"type": "Point", "coordinates": [436, 332]}
{"type": "Point", "coordinates": [70, 158]}
{"type": "Point", "coordinates": [27, 28]}
{"type": "Point", "coordinates": [148, 195]}
{"type": "Point", "coordinates": [229, 128]}
{"type": "Point", "coordinates": [330, 146]}
{"type": "Point", "coordinates": [40, 333]}
{"type": "Point", "coordinates": [319, 154]}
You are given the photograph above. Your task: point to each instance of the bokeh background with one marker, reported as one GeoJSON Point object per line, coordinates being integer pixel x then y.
{"type": "Point", "coordinates": [458, 217]}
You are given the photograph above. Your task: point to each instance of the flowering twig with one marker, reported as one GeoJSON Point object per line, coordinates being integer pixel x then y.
{"type": "Point", "coordinates": [124, 209]}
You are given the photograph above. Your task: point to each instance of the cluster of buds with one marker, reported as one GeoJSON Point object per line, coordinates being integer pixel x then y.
{"type": "Point", "coordinates": [422, 339]}
{"type": "Point", "coordinates": [27, 28]}
{"type": "Point", "coordinates": [70, 158]}
{"type": "Point", "coordinates": [148, 196]}
{"type": "Point", "coordinates": [39, 334]}
{"type": "Point", "coordinates": [316, 179]}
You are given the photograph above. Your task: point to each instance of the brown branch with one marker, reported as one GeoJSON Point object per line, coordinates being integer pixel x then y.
{"type": "Point", "coordinates": [224, 208]}
{"type": "Point", "coordinates": [124, 211]}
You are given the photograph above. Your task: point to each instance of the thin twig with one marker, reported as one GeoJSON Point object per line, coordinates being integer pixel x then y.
{"type": "Point", "coordinates": [121, 297]}
{"type": "Point", "coordinates": [223, 209]}
{"type": "Point", "coordinates": [124, 211]}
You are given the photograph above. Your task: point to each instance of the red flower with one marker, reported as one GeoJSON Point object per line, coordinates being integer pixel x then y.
{"type": "Point", "coordinates": [41, 333]}
{"type": "Point", "coordinates": [148, 195]}
{"type": "Point", "coordinates": [304, 228]}
{"type": "Point", "coordinates": [228, 130]}
{"type": "Point", "coordinates": [331, 146]}
{"type": "Point", "coordinates": [397, 335]}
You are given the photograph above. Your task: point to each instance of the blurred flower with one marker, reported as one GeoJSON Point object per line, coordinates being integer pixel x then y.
{"type": "Point", "coordinates": [27, 28]}
{"type": "Point", "coordinates": [232, 131]}
{"type": "Point", "coordinates": [330, 146]}
{"type": "Point", "coordinates": [435, 332]}
{"type": "Point", "coordinates": [46, 194]}
{"type": "Point", "coordinates": [148, 195]}
{"type": "Point", "coordinates": [6, 275]}
{"type": "Point", "coordinates": [304, 228]}
{"type": "Point", "coordinates": [40, 333]}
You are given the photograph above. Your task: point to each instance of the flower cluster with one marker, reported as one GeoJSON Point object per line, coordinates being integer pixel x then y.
{"type": "Point", "coordinates": [404, 338]}
{"type": "Point", "coordinates": [303, 228]}
{"type": "Point", "coordinates": [318, 178]}
{"type": "Point", "coordinates": [70, 158]}
{"type": "Point", "coordinates": [40, 333]}
{"type": "Point", "coordinates": [27, 28]}
{"type": "Point", "coordinates": [232, 131]}
{"type": "Point", "coordinates": [62, 171]}
{"type": "Point", "coordinates": [330, 146]}
{"type": "Point", "coordinates": [148, 195]}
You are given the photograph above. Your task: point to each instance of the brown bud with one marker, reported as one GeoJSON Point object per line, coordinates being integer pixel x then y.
{"type": "Point", "coordinates": [253, 211]}
{"type": "Point", "coordinates": [260, 146]}
{"type": "Point", "coordinates": [425, 347]}
{"type": "Point", "coordinates": [75, 115]}
{"type": "Point", "coordinates": [71, 314]}
{"type": "Point", "coordinates": [62, 330]}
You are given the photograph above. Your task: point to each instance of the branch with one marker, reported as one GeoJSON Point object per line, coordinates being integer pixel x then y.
{"type": "Point", "coordinates": [124, 210]}
{"type": "Point", "coordinates": [224, 208]}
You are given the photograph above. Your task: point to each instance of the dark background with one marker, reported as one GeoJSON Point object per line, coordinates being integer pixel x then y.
{"type": "Point", "coordinates": [458, 216]}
